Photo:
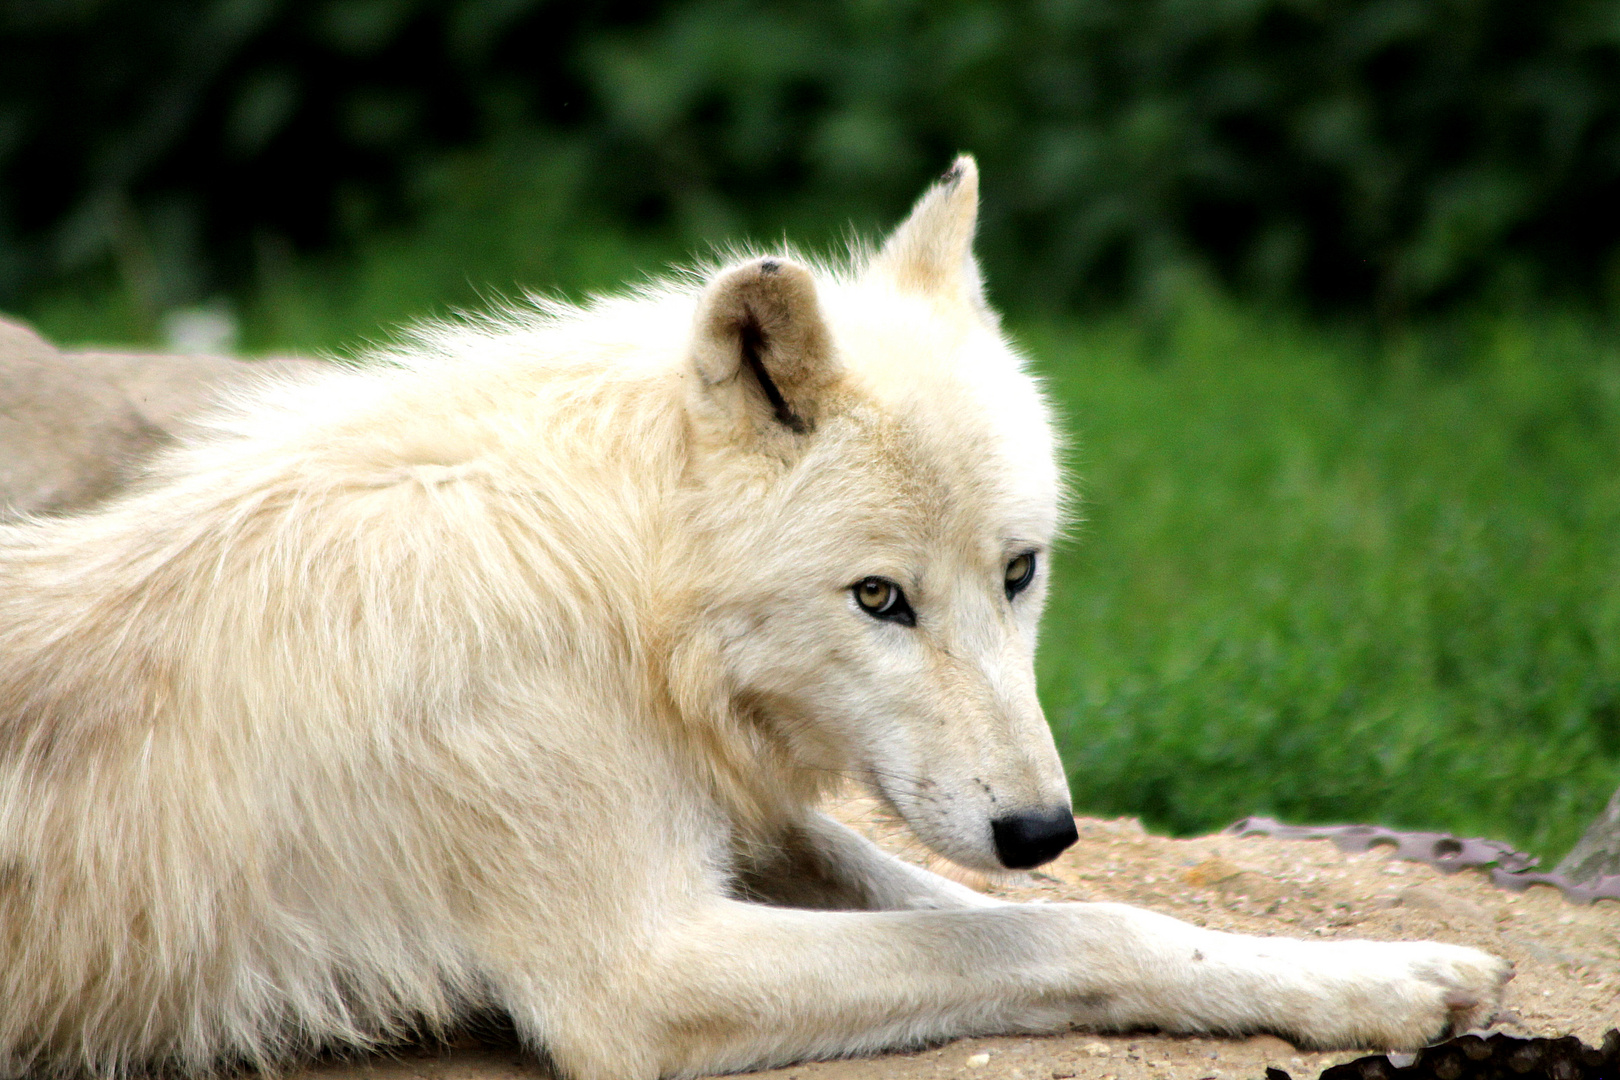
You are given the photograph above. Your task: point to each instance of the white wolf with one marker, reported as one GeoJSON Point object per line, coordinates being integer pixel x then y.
{"type": "Point", "coordinates": [507, 673]}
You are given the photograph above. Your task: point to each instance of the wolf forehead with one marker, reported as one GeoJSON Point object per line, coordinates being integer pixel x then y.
{"type": "Point", "coordinates": [940, 407]}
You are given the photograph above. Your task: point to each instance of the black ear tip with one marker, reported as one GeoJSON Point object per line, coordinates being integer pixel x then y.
{"type": "Point", "coordinates": [770, 266]}
{"type": "Point", "coordinates": [958, 170]}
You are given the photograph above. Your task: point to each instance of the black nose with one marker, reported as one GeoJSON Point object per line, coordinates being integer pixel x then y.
{"type": "Point", "coordinates": [1031, 837]}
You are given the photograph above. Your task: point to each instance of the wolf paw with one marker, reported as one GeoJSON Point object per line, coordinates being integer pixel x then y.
{"type": "Point", "coordinates": [1402, 995]}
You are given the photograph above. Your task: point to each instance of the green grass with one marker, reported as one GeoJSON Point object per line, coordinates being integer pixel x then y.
{"type": "Point", "coordinates": [1319, 574]}
{"type": "Point", "coordinates": [1334, 580]}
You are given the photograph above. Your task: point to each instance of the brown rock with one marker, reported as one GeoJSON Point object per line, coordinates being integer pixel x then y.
{"type": "Point", "coordinates": [1269, 1047]}
{"type": "Point", "coordinates": [1445, 904]}
{"type": "Point", "coordinates": [1212, 871]}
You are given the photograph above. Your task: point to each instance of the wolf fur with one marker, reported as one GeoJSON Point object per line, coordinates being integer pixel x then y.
{"type": "Point", "coordinates": [506, 672]}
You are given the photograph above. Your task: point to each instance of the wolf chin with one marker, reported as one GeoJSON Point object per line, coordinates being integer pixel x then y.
{"type": "Point", "coordinates": [506, 673]}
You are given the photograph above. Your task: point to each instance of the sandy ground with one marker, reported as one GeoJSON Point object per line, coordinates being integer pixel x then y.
{"type": "Point", "coordinates": [1567, 956]}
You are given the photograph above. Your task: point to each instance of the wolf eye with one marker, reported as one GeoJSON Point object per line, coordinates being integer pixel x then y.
{"type": "Point", "coordinates": [1020, 572]}
{"type": "Point", "coordinates": [882, 599]}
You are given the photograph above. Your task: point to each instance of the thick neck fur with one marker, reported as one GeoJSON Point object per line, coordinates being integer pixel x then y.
{"type": "Point", "coordinates": [454, 455]}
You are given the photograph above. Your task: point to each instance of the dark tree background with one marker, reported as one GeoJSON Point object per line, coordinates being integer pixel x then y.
{"type": "Point", "coordinates": [1398, 155]}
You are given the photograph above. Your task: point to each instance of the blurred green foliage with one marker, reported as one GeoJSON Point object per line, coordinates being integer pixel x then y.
{"type": "Point", "coordinates": [1397, 154]}
{"type": "Point", "coordinates": [1335, 578]}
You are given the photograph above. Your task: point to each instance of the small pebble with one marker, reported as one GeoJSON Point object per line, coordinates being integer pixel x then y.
{"type": "Point", "coordinates": [974, 1061]}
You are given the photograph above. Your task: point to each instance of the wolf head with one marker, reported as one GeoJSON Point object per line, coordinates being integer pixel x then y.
{"type": "Point", "coordinates": [874, 485]}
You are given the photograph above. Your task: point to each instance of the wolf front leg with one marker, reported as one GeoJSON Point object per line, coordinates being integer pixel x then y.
{"type": "Point", "coordinates": [822, 863]}
{"type": "Point", "coordinates": [739, 985]}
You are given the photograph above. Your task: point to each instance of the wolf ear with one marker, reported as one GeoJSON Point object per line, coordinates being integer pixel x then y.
{"type": "Point", "coordinates": [931, 253]}
{"type": "Point", "coordinates": [761, 351]}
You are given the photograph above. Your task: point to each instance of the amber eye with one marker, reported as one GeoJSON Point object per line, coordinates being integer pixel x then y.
{"type": "Point", "coordinates": [882, 599]}
{"type": "Point", "coordinates": [1020, 572]}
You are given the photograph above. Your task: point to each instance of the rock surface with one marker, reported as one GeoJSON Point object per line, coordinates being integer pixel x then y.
{"type": "Point", "coordinates": [1596, 854]}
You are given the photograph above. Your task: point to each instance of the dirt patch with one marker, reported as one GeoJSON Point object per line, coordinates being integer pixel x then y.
{"type": "Point", "coordinates": [1567, 956]}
